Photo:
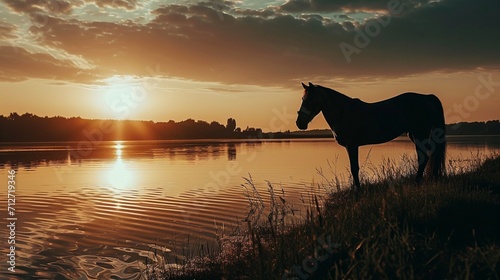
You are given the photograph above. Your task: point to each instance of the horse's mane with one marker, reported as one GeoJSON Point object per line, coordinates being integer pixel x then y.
{"type": "Point", "coordinates": [334, 93]}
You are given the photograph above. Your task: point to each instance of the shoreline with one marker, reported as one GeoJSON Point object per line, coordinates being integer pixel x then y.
{"type": "Point", "coordinates": [230, 140]}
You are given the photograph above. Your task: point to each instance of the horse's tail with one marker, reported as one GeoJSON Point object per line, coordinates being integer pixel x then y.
{"type": "Point", "coordinates": [437, 160]}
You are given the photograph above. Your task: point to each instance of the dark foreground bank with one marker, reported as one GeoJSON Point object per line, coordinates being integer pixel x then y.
{"type": "Point", "coordinates": [449, 229]}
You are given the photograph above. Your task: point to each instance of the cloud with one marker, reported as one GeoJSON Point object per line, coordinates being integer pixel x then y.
{"type": "Point", "coordinates": [192, 43]}
{"type": "Point", "coordinates": [7, 30]}
{"type": "Point", "coordinates": [297, 6]}
{"type": "Point", "coordinates": [125, 4]}
{"type": "Point", "coordinates": [261, 13]}
{"type": "Point", "coordinates": [345, 17]}
{"type": "Point", "coordinates": [18, 64]}
{"type": "Point", "coordinates": [52, 7]}
{"type": "Point", "coordinates": [222, 44]}
{"type": "Point", "coordinates": [445, 36]}
{"type": "Point", "coordinates": [39, 6]}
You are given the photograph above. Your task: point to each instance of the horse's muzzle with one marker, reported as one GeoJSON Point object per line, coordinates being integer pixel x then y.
{"type": "Point", "coordinates": [301, 126]}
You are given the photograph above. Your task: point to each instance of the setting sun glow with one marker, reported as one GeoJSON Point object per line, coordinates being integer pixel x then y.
{"type": "Point", "coordinates": [119, 175]}
{"type": "Point", "coordinates": [121, 97]}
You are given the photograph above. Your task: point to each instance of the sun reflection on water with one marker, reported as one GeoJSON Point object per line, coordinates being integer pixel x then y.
{"type": "Point", "coordinates": [120, 175]}
{"type": "Point", "coordinates": [118, 150]}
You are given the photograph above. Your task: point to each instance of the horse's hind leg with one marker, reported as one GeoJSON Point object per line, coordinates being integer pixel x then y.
{"type": "Point", "coordinates": [423, 158]}
{"type": "Point", "coordinates": [353, 159]}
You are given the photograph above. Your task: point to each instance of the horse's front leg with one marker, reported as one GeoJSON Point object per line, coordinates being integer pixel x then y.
{"type": "Point", "coordinates": [353, 159]}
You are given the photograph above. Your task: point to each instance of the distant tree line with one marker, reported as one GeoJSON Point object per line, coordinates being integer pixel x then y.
{"type": "Point", "coordinates": [462, 128]}
{"type": "Point", "coordinates": [474, 128]}
{"type": "Point", "coordinates": [29, 127]}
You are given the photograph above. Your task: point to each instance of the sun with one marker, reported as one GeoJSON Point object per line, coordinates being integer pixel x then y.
{"type": "Point", "coordinates": [121, 96]}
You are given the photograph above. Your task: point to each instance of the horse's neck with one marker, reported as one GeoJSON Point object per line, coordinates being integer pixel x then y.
{"type": "Point", "coordinates": [334, 106]}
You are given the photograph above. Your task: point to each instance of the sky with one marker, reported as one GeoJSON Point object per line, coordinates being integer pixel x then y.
{"type": "Point", "coordinates": [214, 60]}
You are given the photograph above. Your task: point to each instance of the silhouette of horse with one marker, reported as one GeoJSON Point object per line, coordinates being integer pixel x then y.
{"type": "Point", "coordinates": [356, 123]}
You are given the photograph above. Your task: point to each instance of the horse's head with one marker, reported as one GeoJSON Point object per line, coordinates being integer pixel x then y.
{"type": "Point", "coordinates": [311, 106]}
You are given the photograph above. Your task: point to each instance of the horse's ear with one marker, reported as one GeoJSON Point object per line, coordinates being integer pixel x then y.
{"type": "Point", "coordinates": [310, 84]}
{"type": "Point", "coordinates": [304, 86]}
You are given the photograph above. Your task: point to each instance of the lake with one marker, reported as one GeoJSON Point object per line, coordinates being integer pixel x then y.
{"type": "Point", "coordinates": [98, 211]}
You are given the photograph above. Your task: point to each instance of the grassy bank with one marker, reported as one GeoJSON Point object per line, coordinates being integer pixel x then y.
{"type": "Point", "coordinates": [447, 229]}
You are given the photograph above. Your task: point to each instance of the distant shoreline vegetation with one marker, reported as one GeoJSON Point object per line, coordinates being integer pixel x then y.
{"type": "Point", "coordinates": [32, 128]}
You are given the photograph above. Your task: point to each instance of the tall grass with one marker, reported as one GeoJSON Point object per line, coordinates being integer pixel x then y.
{"type": "Point", "coordinates": [393, 229]}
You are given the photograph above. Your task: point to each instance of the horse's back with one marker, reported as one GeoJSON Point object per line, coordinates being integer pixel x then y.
{"type": "Point", "coordinates": [406, 98]}
{"type": "Point", "coordinates": [408, 102]}
{"type": "Point", "coordinates": [382, 121]}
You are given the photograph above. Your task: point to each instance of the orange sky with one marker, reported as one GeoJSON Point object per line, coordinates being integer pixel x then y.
{"type": "Point", "coordinates": [162, 60]}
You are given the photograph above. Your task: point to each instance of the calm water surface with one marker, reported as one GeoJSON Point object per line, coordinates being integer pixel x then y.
{"type": "Point", "coordinates": [97, 211]}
